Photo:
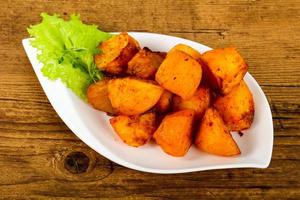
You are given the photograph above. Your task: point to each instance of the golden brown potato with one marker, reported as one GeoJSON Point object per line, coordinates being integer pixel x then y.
{"type": "Point", "coordinates": [199, 102]}
{"type": "Point", "coordinates": [97, 96]}
{"type": "Point", "coordinates": [188, 50]}
{"type": "Point", "coordinates": [174, 135]}
{"type": "Point", "coordinates": [133, 96]}
{"type": "Point", "coordinates": [180, 74]}
{"type": "Point", "coordinates": [164, 103]}
{"type": "Point", "coordinates": [236, 108]}
{"type": "Point", "coordinates": [145, 63]}
{"type": "Point", "coordinates": [134, 130]}
{"type": "Point", "coordinates": [224, 68]}
{"type": "Point", "coordinates": [214, 137]}
{"type": "Point", "coordinates": [116, 53]}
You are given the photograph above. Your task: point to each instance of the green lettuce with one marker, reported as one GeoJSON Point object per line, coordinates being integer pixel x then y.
{"type": "Point", "coordinates": [67, 49]}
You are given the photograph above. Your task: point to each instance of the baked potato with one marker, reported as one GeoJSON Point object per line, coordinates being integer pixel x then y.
{"type": "Point", "coordinates": [97, 96]}
{"type": "Point", "coordinates": [145, 63]}
{"type": "Point", "coordinates": [131, 96]}
{"type": "Point", "coordinates": [164, 103]}
{"type": "Point", "coordinates": [179, 73]}
{"type": "Point", "coordinates": [214, 137]}
{"type": "Point", "coordinates": [236, 108]}
{"type": "Point", "coordinates": [224, 68]}
{"type": "Point", "coordinates": [199, 102]}
{"type": "Point", "coordinates": [134, 130]}
{"type": "Point", "coordinates": [116, 53]}
{"type": "Point", "coordinates": [188, 50]}
{"type": "Point", "coordinates": [174, 134]}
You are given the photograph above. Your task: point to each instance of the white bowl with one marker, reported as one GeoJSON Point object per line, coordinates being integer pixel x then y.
{"type": "Point", "coordinates": [93, 127]}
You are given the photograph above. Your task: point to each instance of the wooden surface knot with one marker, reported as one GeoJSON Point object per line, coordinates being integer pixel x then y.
{"type": "Point", "coordinates": [80, 164]}
{"type": "Point", "coordinates": [76, 162]}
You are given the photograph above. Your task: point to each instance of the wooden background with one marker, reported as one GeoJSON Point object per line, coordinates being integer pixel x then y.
{"type": "Point", "coordinates": [37, 156]}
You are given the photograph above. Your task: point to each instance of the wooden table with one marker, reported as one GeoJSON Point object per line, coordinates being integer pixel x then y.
{"type": "Point", "coordinates": [40, 157]}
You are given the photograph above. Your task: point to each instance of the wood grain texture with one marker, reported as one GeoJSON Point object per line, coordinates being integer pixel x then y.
{"type": "Point", "coordinates": [34, 142]}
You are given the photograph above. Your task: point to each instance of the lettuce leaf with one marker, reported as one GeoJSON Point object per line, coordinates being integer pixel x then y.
{"type": "Point", "coordinates": [67, 49]}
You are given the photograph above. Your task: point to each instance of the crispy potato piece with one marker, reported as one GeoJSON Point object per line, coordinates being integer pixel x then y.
{"type": "Point", "coordinates": [97, 96]}
{"type": "Point", "coordinates": [174, 135]}
{"type": "Point", "coordinates": [188, 50]}
{"type": "Point", "coordinates": [145, 63]}
{"type": "Point", "coordinates": [224, 68]}
{"type": "Point", "coordinates": [236, 108]}
{"type": "Point", "coordinates": [134, 130]}
{"type": "Point", "coordinates": [180, 74]}
{"type": "Point", "coordinates": [214, 137]}
{"type": "Point", "coordinates": [199, 102]}
{"type": "Point", "coordinates": [116, 53]}
{"type": "Point", "coordinates": [164, 103]}
{"type": "Point", "coordinates": [132, 96]}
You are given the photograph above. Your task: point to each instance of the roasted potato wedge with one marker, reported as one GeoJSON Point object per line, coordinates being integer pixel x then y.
{"type": "Point", "coordinates": [116, 53]}
{"type": "Point", "coordinates": [224, 68]}
{"type": "Point", "coordinates": [199, 102]}
{"type": "Point", "coordinates": [179, 73]}
{"type": "Point", "coordinates": [97, 96]}
{"type": "Point", "coordinates": [164, 103]}
{"type": "Point", "coordinates": [236, 108]}
{"type": "Point", "coordinates": [188, 50]}
{"type": "Point", "coordinates": [134, 130]}
{"type": "Point", "coordinates": [131, 96]}
{"type": "Point", "coordinates": [214, 137]}
{"type": "Point", "coordinates": [174, 135]}
{"type": "Point", "coordinates": [145, 63]}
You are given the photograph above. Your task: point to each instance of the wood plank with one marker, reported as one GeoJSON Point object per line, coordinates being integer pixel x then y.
{"type": "Point", "coordinates": [225, 27]}
{"type": "Point", "coordinates": [24, 107]}
{"type": "Point", "coordinates": [106, 176]}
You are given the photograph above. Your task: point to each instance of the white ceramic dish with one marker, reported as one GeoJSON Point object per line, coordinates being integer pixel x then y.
{"type": "Point", "coordinates": [93, 128]}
